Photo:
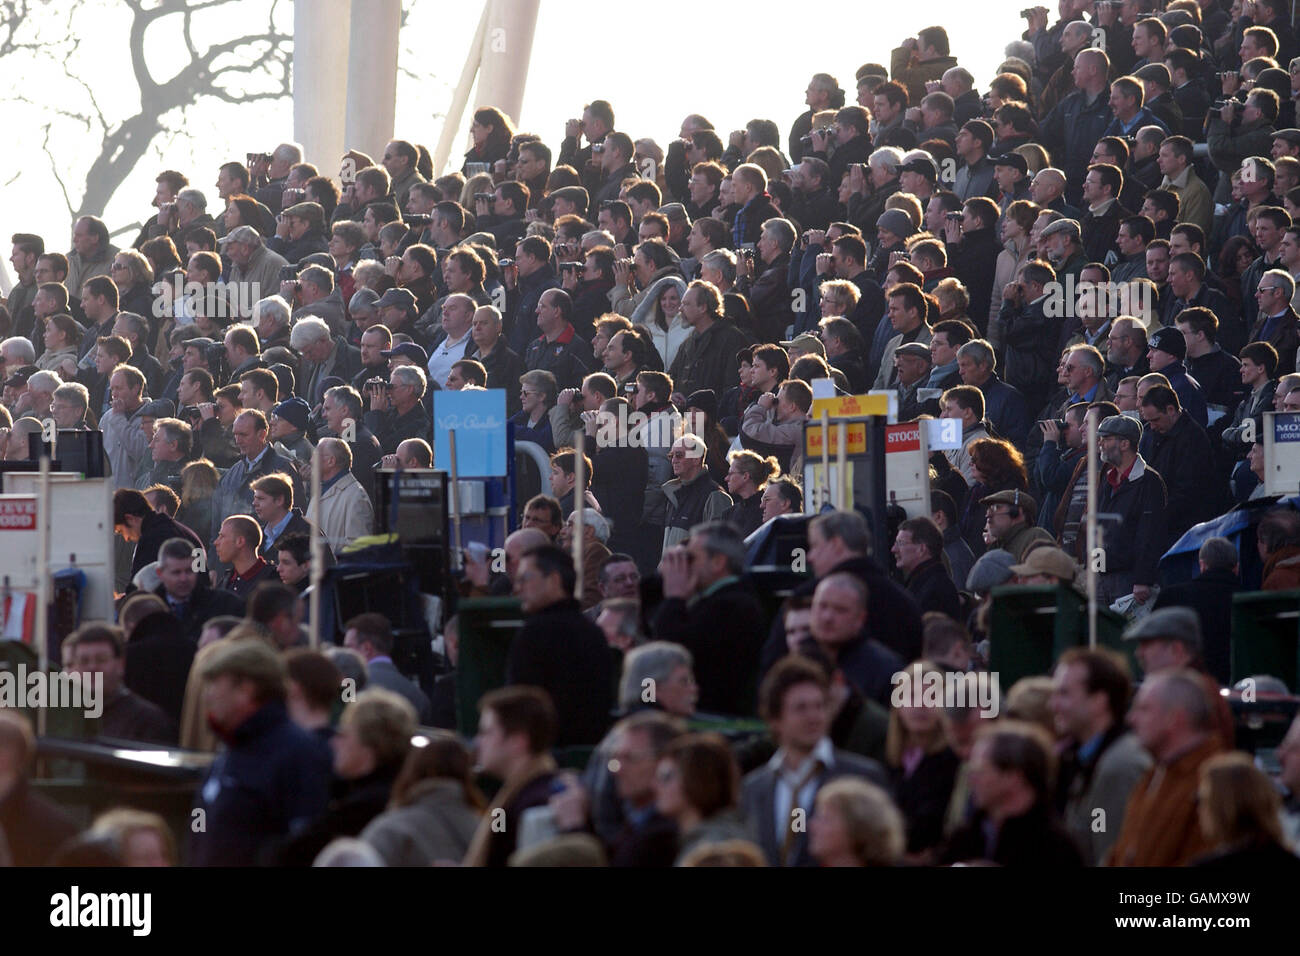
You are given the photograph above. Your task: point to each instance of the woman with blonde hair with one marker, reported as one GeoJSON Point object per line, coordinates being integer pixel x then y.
{"type": "Point", "coordinates": [746, 478]}
{"type": "Point", "coordinates": [133, 274]}
{"type": "Point", "coordinates": [370, 749]}
{"type": "Point", "coordinates": [1240, 813]}
{"type": "Point", "coordinates": [435, 806]}
{"type": "Point", "coordinates": [199, 480]}
{"type": "Point", "coordinates": [1036, 157]}
{"type": "Point", "coordinates": [854, 823]}
{"type": "Point", "coordinates": [478, 183]}
{"type": "Point", "coordinates": [141, 839]}
{"type": "Point", "coordinates": [1016, 224]}
{"type": "Point", "coordinates": [923, 766]}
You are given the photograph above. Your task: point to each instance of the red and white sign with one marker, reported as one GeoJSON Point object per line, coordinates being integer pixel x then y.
{"type": "Point", "coordinates": [17, 512]}
{"type": "Point", "coordinates": [906, 437]}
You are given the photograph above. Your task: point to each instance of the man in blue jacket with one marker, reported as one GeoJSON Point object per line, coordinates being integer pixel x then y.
{"type": "Point", "coordinates": [273, 777]}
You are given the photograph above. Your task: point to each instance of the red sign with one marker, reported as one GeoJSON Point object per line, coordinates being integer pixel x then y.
{"type": "Point", "coordinates": [902, 437]}
{"type": "Point", "coordinates": [17, 513]}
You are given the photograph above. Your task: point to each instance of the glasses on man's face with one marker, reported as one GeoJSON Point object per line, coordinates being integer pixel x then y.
{"type": "Point", "coordinates": [1267, 288]}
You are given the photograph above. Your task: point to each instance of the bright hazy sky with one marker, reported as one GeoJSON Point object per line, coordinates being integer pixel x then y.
{"type": "Point", "coordinates": [650, 92]}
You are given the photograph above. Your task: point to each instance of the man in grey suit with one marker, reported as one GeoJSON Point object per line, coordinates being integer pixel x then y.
{"type": "Point", "coordinates": [778, 797]}
{"type": "Point", "coordinates": [371, 636]}
{"type": "Point", "coordinates": [1103, 761]}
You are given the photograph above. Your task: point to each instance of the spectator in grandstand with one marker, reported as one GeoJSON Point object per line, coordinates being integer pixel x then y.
{"type": "Point", "coordinates": [1011, 771]}
{"type": "Point", "coordinates": [855, 824]}
{"type": "Point", "coordinates": [435, 806]}
{"type": "Point", "coordinates": [371, 636]}
{"type": "Point", "coordinates": [517, 727]}
{"type": "Point", "coordinates": [1278, 537]}
{"type": "Point", "coordinates": [708, 609]}
{"type": "Point", "coordinates": [396, 411]}
{"type": "Point", "coordinates": [33, 826]}
{"type": "Point", "coordinates": [918, 555]}
{"type": "Point", "coordinates": [266, 755]}
{"type": "Point", "coordinates": [1102, 760]}
{"type": "Point", "coordinates": [697, 785]}
{"type": "Point", "coordinates": [559, 650]}
{"type": "Point", "coordinates": [344, 511]}
{"type": "Point", "coordinates": [1173, 720]}
{"type": "Point", "coordinates": [100, 649]}
{"type": "Point", "coordinates": [1239, 811]}
{"type": "Point", "coordinates": [1135, 494]}
{"type": "Point", "coordinates": [794, 699]}
{"type": "Point", "coordinates": [369, 750]}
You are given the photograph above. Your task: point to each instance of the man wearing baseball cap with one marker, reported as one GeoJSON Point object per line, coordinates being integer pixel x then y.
{"type": "Point", "coordinates": [1011, 173]}
{"type": "Point", "coordinates": [1046, 565]}
{"type": "Point", "coordinates": [1166, 350]}
{"type": "Point", "coordinates": [1133, 496]}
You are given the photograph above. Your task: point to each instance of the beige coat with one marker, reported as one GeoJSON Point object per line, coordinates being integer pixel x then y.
{"type": "Point", "coordinates": [344, 513]}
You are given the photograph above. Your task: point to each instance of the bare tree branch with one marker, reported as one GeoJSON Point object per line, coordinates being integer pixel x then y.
{"type": "Point", "coordinates": [54, 168]}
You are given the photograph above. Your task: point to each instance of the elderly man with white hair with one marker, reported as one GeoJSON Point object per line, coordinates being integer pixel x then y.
{"type": "Point", "coordinates": [254, 270]}
{"type": "Point", "coordinates": [320, 297]}
{"type": "Point", "coordinates": [595, 532]}
{"type": "Point", "coordinates": [270, 319]}
{"type": "Point", "coordinates": [693, 497]}
{"type": "Point", "coordinates": [343, 512]}
{"type": "Point", "coordinates": [323, 356]}
{"type": "Point", "coordinates": [191, 213]}
{"type": "Point", "coordinates": [16, 352]}
{"type": "Point", "coordinates": [39, 396]}
{"type": "Point", "coordinates": [451, 344]}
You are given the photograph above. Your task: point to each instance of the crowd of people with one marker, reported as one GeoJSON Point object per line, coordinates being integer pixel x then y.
{"type": "Point", "coordinates": [1102, 232]}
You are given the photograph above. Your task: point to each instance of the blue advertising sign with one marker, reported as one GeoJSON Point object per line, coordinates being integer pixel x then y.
{"type": "Point", "coordinates": [479, 419]}
{"type": "Point", "coordinates": [1286, 426]}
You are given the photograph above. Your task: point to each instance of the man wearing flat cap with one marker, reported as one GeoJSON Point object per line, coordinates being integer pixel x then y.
{"type": "Point", "coordinates": [912, 362]}
{"type": "Point", "coordinates": [299, 231]}
{"type": "Point", "coordinates": [397, 312]}
{"type": "Point", "coordinates": [1062, 241]}
{"type": "Point", "coordinates": [1009, 517]}
{"type": "Point", "coordinates": [1133, 497]}
{"type": "Point", "coordinates": [1011, 174]}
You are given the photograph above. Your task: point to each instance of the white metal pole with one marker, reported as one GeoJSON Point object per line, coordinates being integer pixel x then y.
{"type": "Point", "coordinates": [460, 98]}
{"type": "Point", "coordinates": [42, 635]}
{"type": "Point", "coordinates": [579, 503]}
{"type": "Point", "coordinates": [1091, 539]}
{"type": "Point", "coordinates": [842, 459]}
{"type": "Point", "coordinates": [317, 553]}
{"type": "Point", "coordinates": [455, 501]}
{"type": "Point", "coordinates": [824, 492]}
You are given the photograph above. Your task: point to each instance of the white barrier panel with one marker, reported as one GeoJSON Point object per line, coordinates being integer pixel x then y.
{"type": "Point", "coordinates": [81, 534]}
{"type": "Point", "coordinates": [907, 468]}
{"type": "Point", "coordinates": [1282, 453]}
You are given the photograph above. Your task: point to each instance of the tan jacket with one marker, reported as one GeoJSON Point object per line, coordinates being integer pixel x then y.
{"type": "Point", "coordinates": [344, 512]}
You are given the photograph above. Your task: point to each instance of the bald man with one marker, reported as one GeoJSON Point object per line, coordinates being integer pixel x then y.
{"type": "Point", "coordinates": [840, 628]}
{"type": "Point", "coordinates": [1173, 720]}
